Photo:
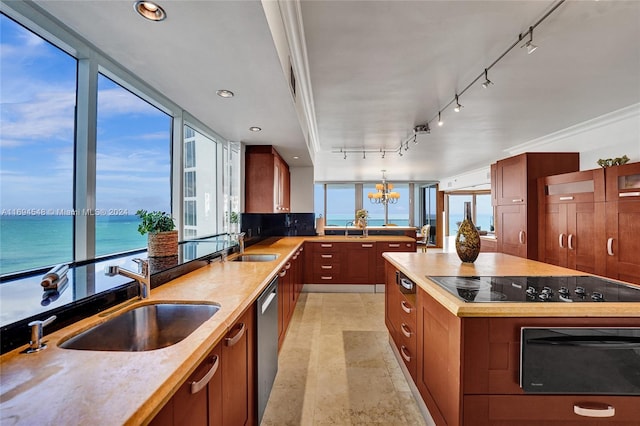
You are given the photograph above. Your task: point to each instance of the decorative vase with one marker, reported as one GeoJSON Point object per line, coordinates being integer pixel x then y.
{"type": "Point", "coordinates": [163, 244]}
{"type": "Point", "coordinates": [468, 238]}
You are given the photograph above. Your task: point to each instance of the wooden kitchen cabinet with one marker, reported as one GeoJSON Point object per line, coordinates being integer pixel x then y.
{"type": "Point", "coordinates": [516, 198]}
{"type": "Point", "coordinates": [623, 222]}
{"type": "Point", "coordinates": [267, 181]}
{"type": "Point", "coordinates": [570, 225]}
{"type": "Point", "coordinates": [401, 320]}
{"type": "Point", "coordinates": [323, 262]}
{"type": "Point", "coordinates": [290, 282]}
{"type": "Point", "coordinates": [221, 389]}
{"type": "Point", "coordinates": [389, 246]}
{"type": "Point", "coordinates": [237, 370]}
{"type": "Point", "coordinates": [199, 400]}
{"type": "Point", "coordinates": [359, 262]}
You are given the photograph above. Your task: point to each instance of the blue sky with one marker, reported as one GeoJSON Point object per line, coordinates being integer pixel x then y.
{"type": "Point", "coordinates": [37, 94]}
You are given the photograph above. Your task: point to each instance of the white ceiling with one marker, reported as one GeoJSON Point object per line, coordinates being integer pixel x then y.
{"type": "Point", "coordinates": [377, 69]}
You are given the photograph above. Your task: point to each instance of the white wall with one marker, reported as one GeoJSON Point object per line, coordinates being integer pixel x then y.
{"type": "Point", "coordinates": [301, 189]}
{"type": "Point", "coordinates": [609, 136]}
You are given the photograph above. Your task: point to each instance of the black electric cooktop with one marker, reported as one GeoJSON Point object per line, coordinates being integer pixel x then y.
{"type": "Point", "coordinates": [538, 289]}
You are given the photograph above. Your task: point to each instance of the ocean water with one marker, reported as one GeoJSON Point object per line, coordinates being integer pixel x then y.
{"type": "Point", "coordinates": [29, 242]}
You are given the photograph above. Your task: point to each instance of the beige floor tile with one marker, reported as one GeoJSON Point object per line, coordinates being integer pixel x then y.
{"type": "Point", "coordinates": [336, 366]}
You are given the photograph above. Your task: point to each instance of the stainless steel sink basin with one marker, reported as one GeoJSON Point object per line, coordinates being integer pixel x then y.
{"type": "Point", "coordinates": [144, 328]}
{"type": "Point", "coordinates": [255, 258]}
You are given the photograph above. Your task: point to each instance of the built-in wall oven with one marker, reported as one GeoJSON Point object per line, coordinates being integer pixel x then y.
{"type": "Point", "coordinates": [580, 360]}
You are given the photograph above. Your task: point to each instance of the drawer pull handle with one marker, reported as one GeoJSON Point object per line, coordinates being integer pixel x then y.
{"type": "Point", "coordinates": [521, 237]}
{"type": "Point", "coordinates": [566, 198]}
{"type": "Point", "coordinates": [594, 409]}
{"type": "Point", "coordinates": [405, 307]}
{"type": "Point", "coordinates": [367, 245]}
{"type": "Point", "coordinates": [326, 245]}
{"type": "Point", "coordinates": [406, 330]}
{"type": "Point", "coordinates": [324, 277]}
{"type": "Point", "coordinates": [517, 200]}
{"type": "Point", "coordinates": [629, 194]}
{"type": "Point", "coordinates": [570, 242]}
{"type": "Point", "coordinates": [230, 341]}
{"type": "Point", "coordinates": [403, 351]}
{"type": "Point", "coordinates": [326, 266]}
{"type": "Point", "coordinates": [202, 383]}
{"type": "Point", "coordinates": [394, 245]}
{"type": "Point", "coordinates": [282, 273]}
{"type": "Point", "coordinates": [610, 247]}
{"type": "Point", "coordinates": [326, 256]}
{"type": "Point", "coordinates": [561, 240]}
{"type": "Point", "coordinates": [288, 265]}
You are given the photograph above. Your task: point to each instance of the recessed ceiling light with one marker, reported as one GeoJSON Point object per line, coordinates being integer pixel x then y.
{"type": "Point", "coordinates": [150, 10]}
{"type": "Point", "coordinates": [255, 128]}
{"type": "Point", "coordinates": [295, 157]}
{"type": "Point", "coordinates": [223, 93]}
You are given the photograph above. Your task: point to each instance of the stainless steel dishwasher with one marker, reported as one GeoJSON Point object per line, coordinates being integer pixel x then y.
{"type": "Point", "coordinates": [267, 315]}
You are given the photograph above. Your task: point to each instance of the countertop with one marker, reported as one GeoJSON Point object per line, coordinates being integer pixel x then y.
{"type": "Point", "coordinates": [61, 386]}
{"type": "Point", "coordinates": [418, 266]}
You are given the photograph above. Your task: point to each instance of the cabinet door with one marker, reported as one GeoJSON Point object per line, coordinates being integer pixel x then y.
{"type": "Point", "coordinates": [511, 177]}
{"type": "Point", "coordinates": [511, 224]}
{"type": "Point", "coordinates": [623, 244]}
{"type": "Point", "coordinates": [389, 246]}
{"type": "Point", "coordinates": [194, 403]}
{"type": "Point", "coordinates": [358, 263]}
{"type": "Point", "coordinates": [439, 360]}
{"type": "Point", "coordinates": [237, 373]}
{"type": "Point", "coordinates": [391, 300]}
{"type": "Point", "coordinates": [585, 236]}
{"type": "Point", "coordinates": [284, 297]}
{"type": "Point", "coordinates": [623, 182]}
{"type": "Point", "coordinates": [553, 234]}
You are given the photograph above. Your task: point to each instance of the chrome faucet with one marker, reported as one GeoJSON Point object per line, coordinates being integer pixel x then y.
{"type": "Point", "coordinates": [241, 241]}
{"type": "Point", "coordinates": [143, 276]}
{"type": "Point", "coordinates": [346, 228]}
{"type": "Point", "coordinates": [36, 344]}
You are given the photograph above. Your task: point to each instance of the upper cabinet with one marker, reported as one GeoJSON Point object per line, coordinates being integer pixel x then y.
{"type": "Point", "coordinates": [267, 181]}
{"type": "Point", "coordinates": [516, 198]}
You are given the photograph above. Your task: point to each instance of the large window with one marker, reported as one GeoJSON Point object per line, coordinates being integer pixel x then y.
{"type": "Point", "coordinates": [456, 211]}
{"type": "Point", "coordinates": [133, 166]}
{"type": "Point", "coordinates": [200, 184]}
{"type": "Point", "coordinates": [37, 99]}
{"type": "Point", "coordinates": [481, 210]}
{"type": "Point", "coordinates": [341, 205]}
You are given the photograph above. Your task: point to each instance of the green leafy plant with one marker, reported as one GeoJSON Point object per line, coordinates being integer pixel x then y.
{"type": "Point", "coordinates": [362, 214]}
{"type": "Point", "coordinates": [154, 222]}
{"type": "Point", "coordinates": [234, 217]}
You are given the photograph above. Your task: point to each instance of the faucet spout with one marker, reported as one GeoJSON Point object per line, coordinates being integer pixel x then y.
{"type": "Point", "coordinates": [143, 277]}
{"type": "Point", "coordinates": [241, 241]}
{"type": "Point", "coordinates": [346, 228]}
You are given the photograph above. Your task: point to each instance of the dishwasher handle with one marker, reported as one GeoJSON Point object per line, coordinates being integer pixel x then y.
{"type": "Point", "coordinates": [265, 305]}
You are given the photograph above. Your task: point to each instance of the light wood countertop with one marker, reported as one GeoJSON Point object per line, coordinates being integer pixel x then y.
{"type": "Point", "coordinates": [64, 387]}
{"type": "Point", "coordinates": [418, 266]}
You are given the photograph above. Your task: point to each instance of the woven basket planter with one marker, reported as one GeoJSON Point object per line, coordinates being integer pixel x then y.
{"type": "Point", "coordinates": [163, 244]}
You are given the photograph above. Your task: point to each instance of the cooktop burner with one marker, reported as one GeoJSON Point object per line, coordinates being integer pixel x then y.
{"type": "Point", "coordinates": [538, 289]}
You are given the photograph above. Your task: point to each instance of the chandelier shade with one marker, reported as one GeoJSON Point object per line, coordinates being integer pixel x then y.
{"type": "Point", "coordinates": [384, 193]}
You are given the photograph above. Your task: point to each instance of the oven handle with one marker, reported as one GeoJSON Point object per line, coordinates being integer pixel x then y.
{"type": "Point", "coordinates": [611, 342]}
{"type": "Point", "coordinates": [406, 283]}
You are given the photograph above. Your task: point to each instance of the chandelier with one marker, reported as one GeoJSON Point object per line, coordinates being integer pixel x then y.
{"type": "Point", "coordinates": [384, 194]}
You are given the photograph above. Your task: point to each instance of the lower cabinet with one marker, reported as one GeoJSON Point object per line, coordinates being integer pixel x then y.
{"type": "Point", "coordinates": [289, 289]}
{"type": "Point", "coordinates": [221, 389]}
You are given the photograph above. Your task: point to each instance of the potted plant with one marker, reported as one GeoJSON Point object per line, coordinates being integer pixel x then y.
{"type": "Point", "coordinates": [234, 220]}
{"type": "Point", "coordinates": [163, 237]}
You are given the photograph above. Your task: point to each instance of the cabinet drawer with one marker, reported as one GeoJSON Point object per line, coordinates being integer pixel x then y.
{"type": "Point", "coordinates": [327, 257]}
{"type": "Point", "coordinates": [325, 277]}
{"type": "Point", "coordinates": [397, 246]}
{"type": "Point", "coordinates": [326, 247]}
{"type": "Point", "coordinates": [409, 358]}
{"type": "Point", "coordinates": [532, 410]}
{"type": "Point", "coordinates": [407, 309]}
{"type": "Point", "coordinates": [321, 266]}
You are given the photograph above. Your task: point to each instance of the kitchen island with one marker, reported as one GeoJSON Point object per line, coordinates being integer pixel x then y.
{"type": "Point", "coordinates": [464, 358]}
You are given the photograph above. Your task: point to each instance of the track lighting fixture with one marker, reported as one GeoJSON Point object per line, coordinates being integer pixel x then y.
{"type": "Point", "coordinates": [458, 106]}
{"type": "Point", "coordinates": [482, 78]}
{"type": "Point", "coordinates": [529, 44]}
{"type": "Point", "coordinates": [487, 82]}
{"type": "Point", "coordinates": [364, 155]}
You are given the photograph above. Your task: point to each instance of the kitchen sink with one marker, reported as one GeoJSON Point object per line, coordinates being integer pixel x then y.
{"type": "Point", "coordinates": [144, 328]}
{"type": "Point", "coordinates": [255, 258]}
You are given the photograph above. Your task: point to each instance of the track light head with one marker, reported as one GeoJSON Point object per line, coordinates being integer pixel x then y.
{"type": "Point", "coordinates": [345, 156]}
{"type": "Point", "coordinates": [487, 82]}
{"type": "Point", "coordinates": [458, 107]}
{"type": "Point", "coordinates": [529, 44]}
{"type": "Point", "coordinates": [440, 122]}
{"type": "Point", "coordinates": [422, 128]}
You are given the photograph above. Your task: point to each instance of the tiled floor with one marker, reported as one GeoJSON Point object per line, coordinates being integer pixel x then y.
{"type": "Point", "coordinates": [336, 366]}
